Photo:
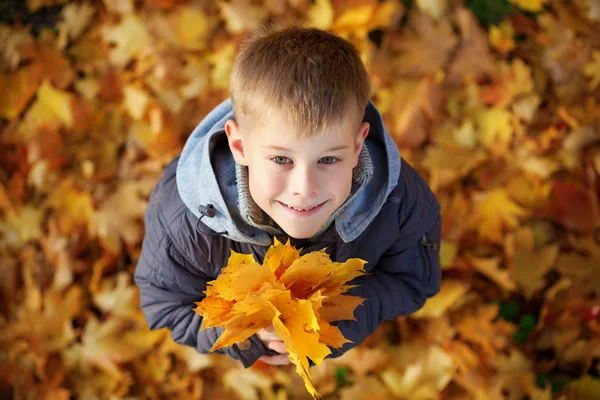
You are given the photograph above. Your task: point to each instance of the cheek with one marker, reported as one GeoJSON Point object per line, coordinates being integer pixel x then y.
{"type": "Point", "coordinates": [340, 183]}
{"type": "Point", "coordinates": [266, 185]}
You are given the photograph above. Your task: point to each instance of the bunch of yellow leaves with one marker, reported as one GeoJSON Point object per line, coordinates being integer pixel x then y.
{"type": "Point", "coordinates": [299, 296]}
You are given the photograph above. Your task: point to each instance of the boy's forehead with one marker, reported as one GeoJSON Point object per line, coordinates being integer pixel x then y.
{"type": "Point", "coordinates": [278, 125]}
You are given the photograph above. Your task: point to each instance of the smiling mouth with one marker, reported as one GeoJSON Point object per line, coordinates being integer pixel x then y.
{"type": "Point", "coordinates": [301, 208]}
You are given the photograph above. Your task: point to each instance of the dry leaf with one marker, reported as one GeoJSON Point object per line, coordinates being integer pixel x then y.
{"type": "Point", "coordinates": [287, 291]}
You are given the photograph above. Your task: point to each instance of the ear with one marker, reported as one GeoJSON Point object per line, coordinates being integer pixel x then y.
{"type": "Point", "coordinates": [361, 135]}
{"type": "Point", "coordinates": [236, 144]}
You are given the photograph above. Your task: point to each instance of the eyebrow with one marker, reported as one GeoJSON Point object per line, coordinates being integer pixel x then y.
{"type": "Point", "coordinates": [335, 148]}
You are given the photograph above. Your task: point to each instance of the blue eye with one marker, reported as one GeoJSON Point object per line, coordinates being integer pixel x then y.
{"type": "Point", "coordinates": [280, 160]}
{"type": "Point", "coordinates": [328, 160]}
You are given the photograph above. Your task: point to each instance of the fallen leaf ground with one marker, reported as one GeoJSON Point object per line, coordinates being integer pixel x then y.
{"type": "Point", "coordinates": [496, 103]}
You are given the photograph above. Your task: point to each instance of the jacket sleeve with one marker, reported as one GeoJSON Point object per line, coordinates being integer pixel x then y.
{"type": "Point", "coordinates": [169, 285]}
{"type": "Point", "coordinates": [406, 275]}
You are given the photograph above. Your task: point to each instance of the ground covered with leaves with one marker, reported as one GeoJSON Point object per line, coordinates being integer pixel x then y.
{"type": "Point", "coordinates": [497, 103]}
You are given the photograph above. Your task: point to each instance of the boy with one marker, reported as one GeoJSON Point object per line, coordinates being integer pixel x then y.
{"type": "Point", "coordinates": [298, 152]}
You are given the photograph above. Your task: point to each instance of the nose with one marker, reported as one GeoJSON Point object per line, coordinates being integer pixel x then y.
{"type": "Point", "coordinates": [304, 182]}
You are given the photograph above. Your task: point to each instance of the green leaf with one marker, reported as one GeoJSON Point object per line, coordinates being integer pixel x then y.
{"type": "Point", "coordinates": [540, 381]}
{"type": "Point", "coordinates": [509, 310]}
{"type": "Point", "coordinates": [490, 12]}
{"type": "Point", "coordinates": [341, 376]}
{"type": "Point", "coordinates": [520, 336]}
{"type": "Point", "coordinates": [528, 322]}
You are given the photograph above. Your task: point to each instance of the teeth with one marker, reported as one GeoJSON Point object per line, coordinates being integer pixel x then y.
{"type": "Point", "coordinates": [301, 209]}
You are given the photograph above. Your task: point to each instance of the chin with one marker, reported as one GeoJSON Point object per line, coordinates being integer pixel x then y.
{"type": "Point", "coordinates": [302, 235]}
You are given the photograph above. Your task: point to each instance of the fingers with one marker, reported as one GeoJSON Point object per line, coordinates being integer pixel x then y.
{"type": "Point", "coordinates": [277, 346]}
{"type": "Point", "coordinates": [281, 359]}
{"type": "Point", "coordinates": [267, 335]}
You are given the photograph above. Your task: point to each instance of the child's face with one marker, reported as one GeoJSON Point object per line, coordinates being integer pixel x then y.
{"type": "Point", "coordinates": [299, 182]}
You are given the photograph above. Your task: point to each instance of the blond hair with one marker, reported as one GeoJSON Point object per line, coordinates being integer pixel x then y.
{"type": "Point", "coordinates": [311, 76]}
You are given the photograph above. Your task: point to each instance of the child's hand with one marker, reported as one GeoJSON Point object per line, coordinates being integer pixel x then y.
{"type": "Point", "coordinates": [271, 341]}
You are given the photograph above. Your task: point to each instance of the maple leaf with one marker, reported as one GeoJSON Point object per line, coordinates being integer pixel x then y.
{"type": "Point", "coordinates": [118, 296]}
{"type": "Point", "coordinates": [481, 328]}
{"type": "Point", "coordinates": [75, 18]}
{"type": "Point", "coordinates": [52, 107]}
{"type": "Point", "coordinates": [448, 164]}
{"type": "Point", "coordinates": [221, 62]}
{"type": "Point", "coordinates": [451, 291]}
{"type": "Point", "coordinates": [361, 17]}
{"type": "Point", "coordinates": [490, 268]}
{"type": "Point", "coordinates": [425, 48]}
{"type": "Point", "coordinates": [241, 15]}
{"type": "Point", "coordinates": [434, 8]}
{"type": "Point", "coordinates": [417, 372]}
{"type": "Point", "coordinates": [118, 217]}
{"type": "Point", "coordinates": [529, 265]}
{"type": "Point", "coordinates": [571, 206]}
{"type": "Point", "coordinates": [495, 127]}
{"type": "Point", "coordinates": [190, 28]}
{"type": "Point", "coordinates": [368, 388]}
{"type": "Point", "coordinates": [502, 37]}
{"type": "Point", "coordinates": [279, 257]}
{"type": "Point", "coordinates": [492, 212]}
{"type": "Point", "coordinates": [415, 105]}
{"type": "Point", "coordinates": [109, 343]}
{"type": "Point", "coordinates": [584, 269]}
{"type": "Point", "coordinates": [529, 5]}
{"type": "Point", "coordinates": [130, 38]}
{"type": "Point", "coordinates": [320, 15]}
{"type": "Point", "coordinates": [512, 370]}
{"type": "Point", "coordinates": [473, 58]}
{"type": "Point", "coordinates": [297, 295]}
{"type": "Point", "coordinates": [20, 87]}
{"type": "Point", "coordinates": [592, 69]}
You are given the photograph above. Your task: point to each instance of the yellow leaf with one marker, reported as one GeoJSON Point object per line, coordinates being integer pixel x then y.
{"type": "Point", "coordinates": [52, 107]}
{"type": "Point", "coordinates": [19, 87]}
{"type": "Point", "coordinates": [485, 330]}
{"type": "Point", "coordinates": [434, 8]}
{"type": "Point", "coordinates": [130, 38]}
{"type": "Point", "coordinates": [450, 293]}
{"type": "Point", "coordinates": [331, 335]}
{"type": "Point", "coordinates": [502, 37]}
{"type": "Point", "coordinates": [448, 252]}
{"type": "Point", "coordinates": [494, 127]}
{"type": "Point", "coordinates": [586, 387]}
{"type": "Point", "coordinates": [592, 70]}
{"type": "Point", "coordinates": [299, 301]}
{"type": "Point", "coordinates": [528, 264]}
{"type": "Point", "coordinates": [418, 373]}
{"type": "Point", "coordinates": [490, 268]}
{"type": "Point", "coordinates": [243, 325]}
{"type": "Point", "coordinates": [222, 62]}
{"type": "Point", "coordinates": [301, 343]}
{"type": "Point", "coordinates": [493, 211]}
{"type": "Point", "coordinates": [118, 218]}
{"type": "Point", "coordinates": [191, 27]}
{"type": "Point", "coordinates": [135, 101]}
{"type": "Point", "coordinates": [75, 18]}
{"type": "Point", "coordinates": [529, 5]}
{"type": "Point", "coordinates": [425, 48]}
{"type": "Point", "coordinates": [279, 257]}
{"type": "Point", "coordinates": [241, 16]}
{"type": "Point", "coordinates": [339, 307]}
{"type": "Point", "coordinates": [315, 271]}
{"type": "Point", "coordinates": [241, 279]}
{"type": "Point", "coordinates": [215, 311]}
{"type": "Point", "coordinates": [320, 15]}
{"type": "Point", "coordinates": [583, 265]}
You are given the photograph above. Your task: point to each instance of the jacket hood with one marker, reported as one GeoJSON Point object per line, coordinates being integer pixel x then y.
{"type": "Point", "coordinates": [206, 174]}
